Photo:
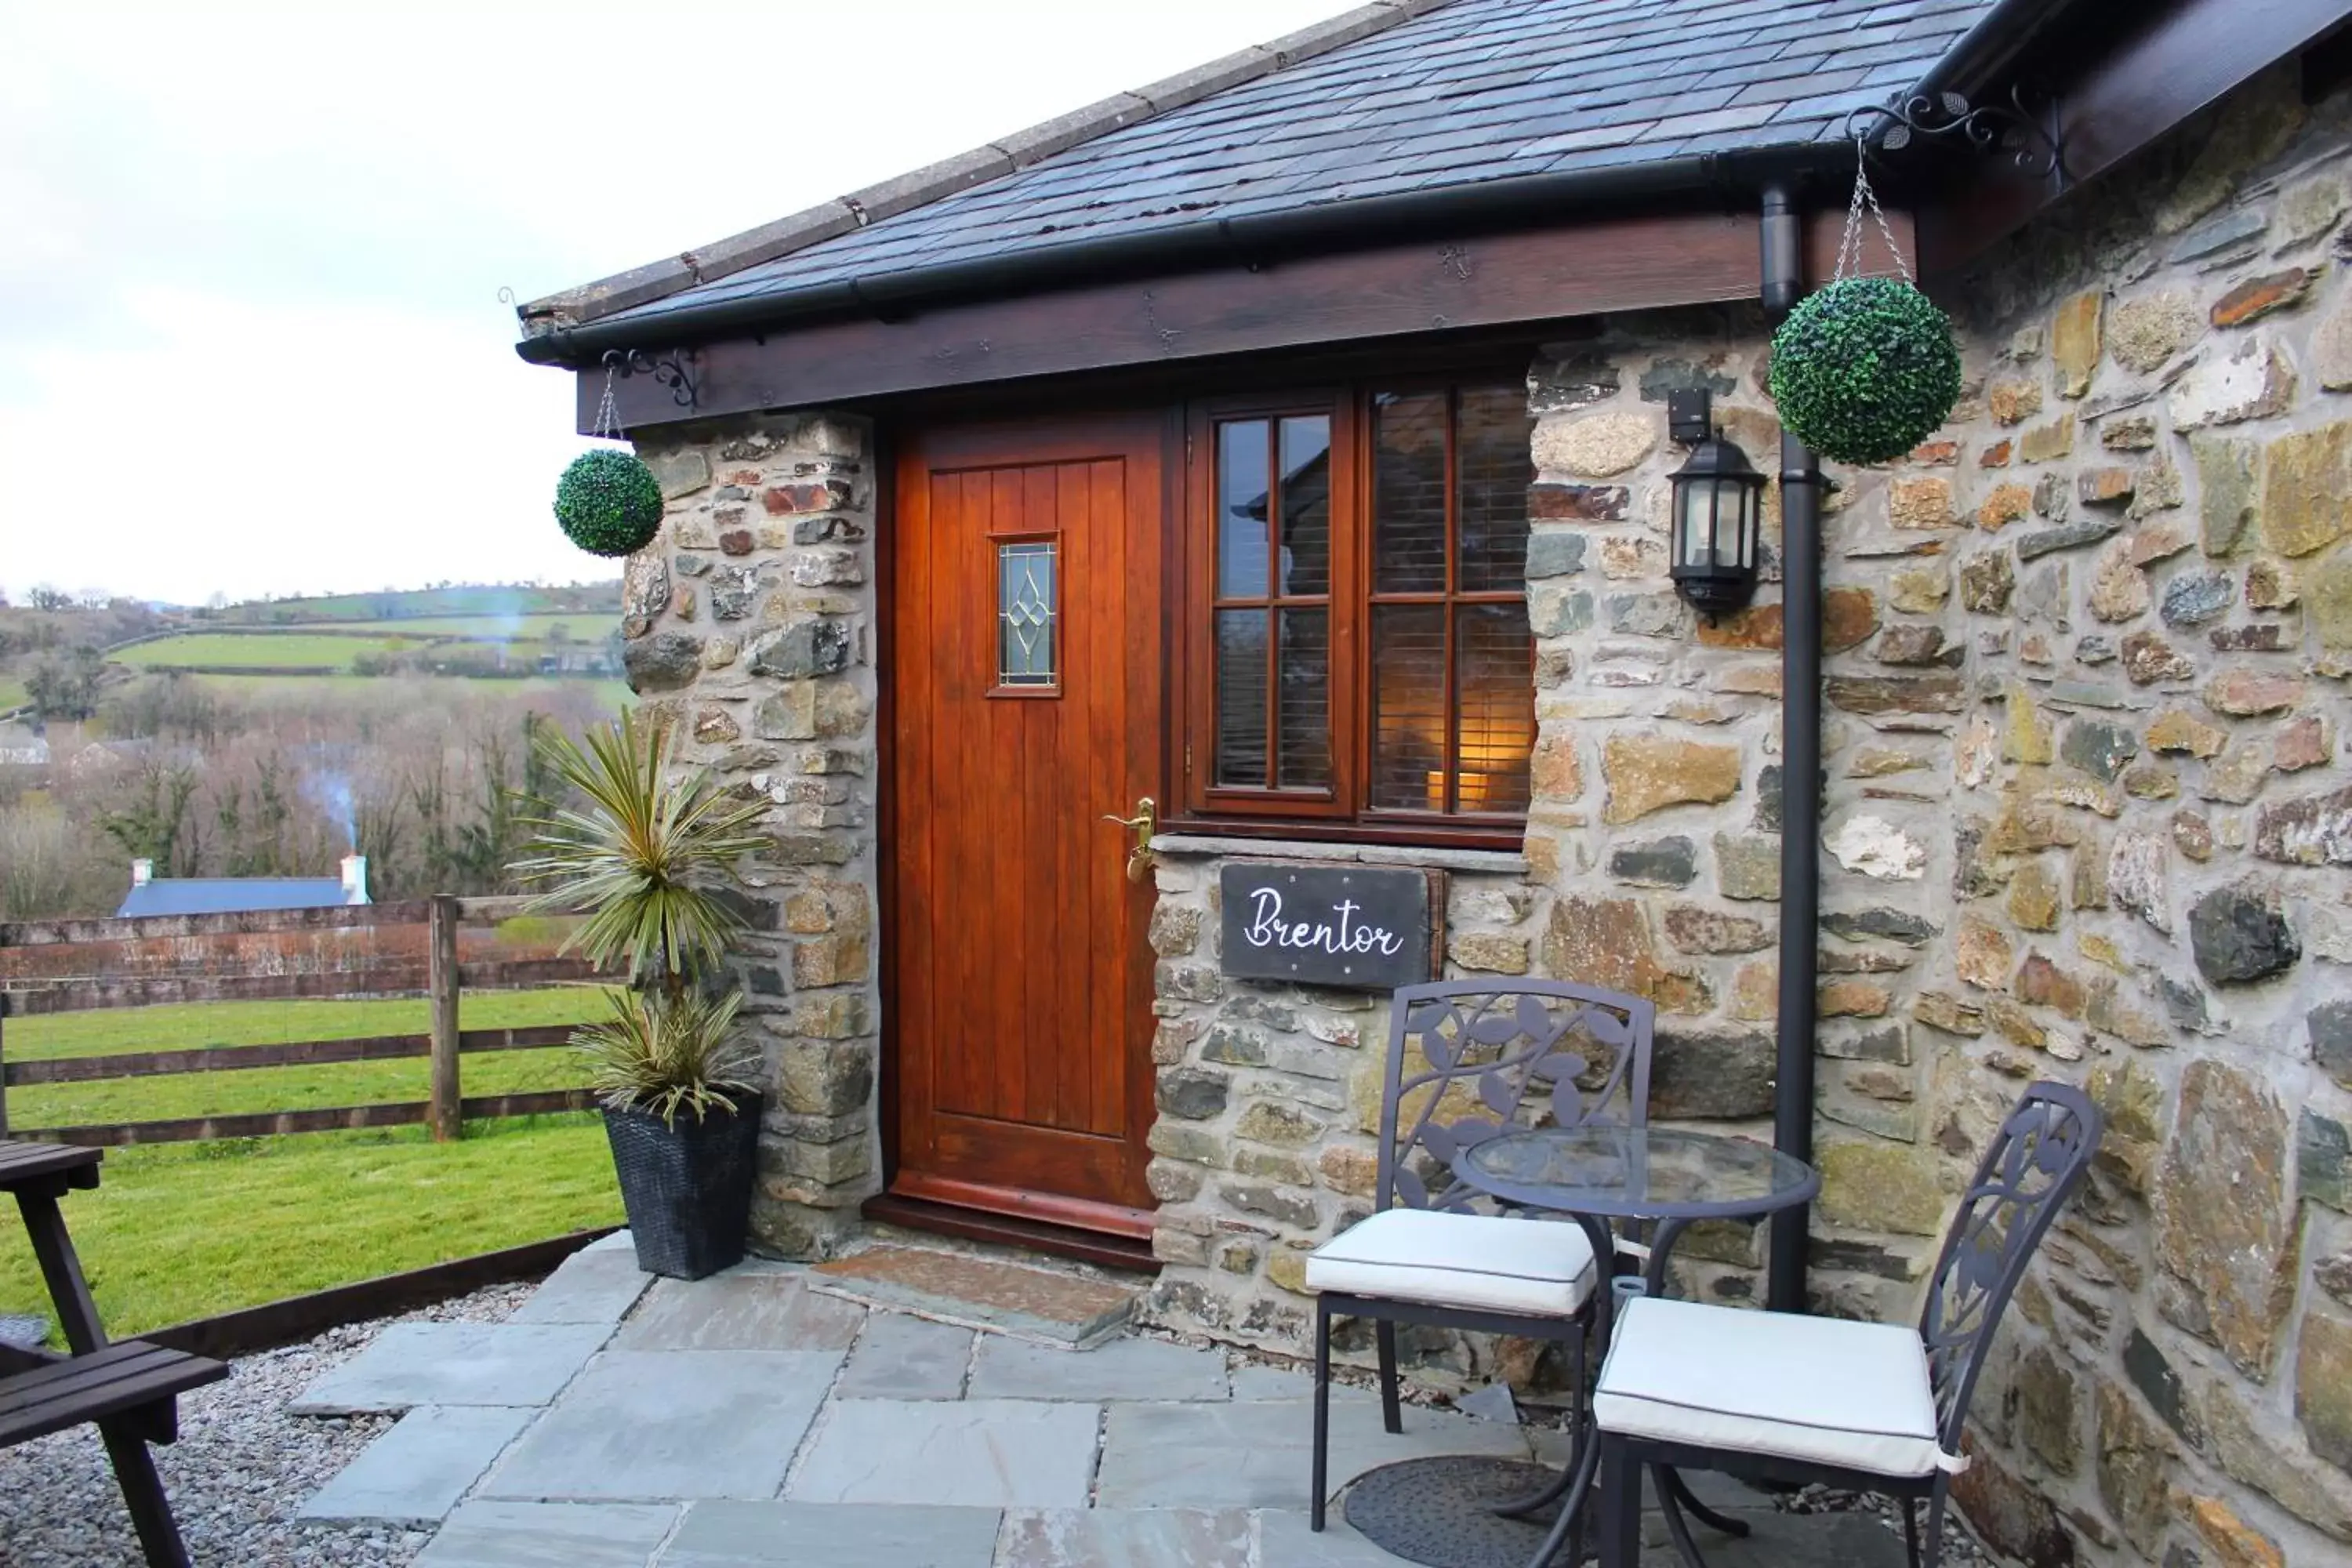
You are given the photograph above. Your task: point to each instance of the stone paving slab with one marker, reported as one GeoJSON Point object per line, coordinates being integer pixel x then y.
{"type": "Point", "coordinates": [1051, 1306]}
{"type": "Point", "coordinates": [412, 1365]}
{"type": "Point", "coordinates": [1790, 1540]}
{"type": "Point", "coordinates": [551, 1535]}
{"type": "Point", "coordinates": [1255, 1454]}
{"type": "Point", "coordinates": [417, 1471]}
{"type": "Point", "coordinates": [1261, 1383]}
{"type": "Point", "coordinates": [659, 1424]}
{"type": "Point", "coordinates": [977, 1453]}
{"type": "Point", "coordinates": [1124, 1369]}
{"type": "Point", "coordinates": [1119, 1538]}
{"type": "Point", "coordinates": [752, 1311]}
{"type": "Point", "coordinates": [899, 1357]}
{"type": "Point", "coordinates": [819, 1535]}
{"type": "Point", "coordinates": [591, 1287]}
{"type": "Point", "coordinates": [1285, 1541]}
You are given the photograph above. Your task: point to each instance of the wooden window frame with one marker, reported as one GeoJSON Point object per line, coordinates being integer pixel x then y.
{"type": "Point", "coordinates": [1343, 811]}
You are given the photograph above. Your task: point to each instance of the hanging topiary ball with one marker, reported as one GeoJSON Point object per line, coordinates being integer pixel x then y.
{"type": "Point", "coordinates": [1864, 369]}
{"type": "Point", "coordinates": [608, 502]}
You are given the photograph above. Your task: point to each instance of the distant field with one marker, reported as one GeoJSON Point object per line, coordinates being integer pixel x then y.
{"type": "Point", "coordinates": [11, 691]}
{"type": "Point", "coordinates": [269, 651]}
{"type": "Point", "coordinates": [459, 601]}
{"type": "Point", "coordinates": [586, 625]}
{"type": "Point", "coordinates": [610, 695]}
{"type": "Point", "coordinates": [180, 1231]}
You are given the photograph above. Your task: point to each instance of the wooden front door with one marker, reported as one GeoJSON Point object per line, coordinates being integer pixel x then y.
{"type": "Point", "coordinates": [1025, 677]}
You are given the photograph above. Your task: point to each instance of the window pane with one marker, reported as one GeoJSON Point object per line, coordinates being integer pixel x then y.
{"type": "Point", "coordinates": [1304, 743]}
{"type": "Point", "coordinates": [1242, 470]}
{"type": "Point", "coordinates": [1306, 504]}
{"type": "Point", "coordinates": [1025, 614]}
{"type": "Point", "coordinates": [1495, 674]}
{"type": "Point", "coordinates": [1241, 696]}
{"type": "Point", "coordinates": [1493, 468]}
{"type": "Point", "coordinates": [1409, 493]}
{"type": "Point", "coordinates": [1409, 707]}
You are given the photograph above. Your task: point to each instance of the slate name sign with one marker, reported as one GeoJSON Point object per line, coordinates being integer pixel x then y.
{"type": "Point", "coordinates": [1325, 925]}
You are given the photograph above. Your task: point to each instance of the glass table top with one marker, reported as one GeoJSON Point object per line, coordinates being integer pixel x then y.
{"type": "Point", "coordinates": [1642, 1173]}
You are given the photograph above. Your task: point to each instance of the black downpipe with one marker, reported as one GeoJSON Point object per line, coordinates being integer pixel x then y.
{"type": "Point", "coordinates": [1800, 778]}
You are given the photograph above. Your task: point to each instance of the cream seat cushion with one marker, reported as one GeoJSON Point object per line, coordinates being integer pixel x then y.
{"type": "Point", "coordinates": [1543, 1268]}
{"type": "Point", "coordinates": [1837, 1393]}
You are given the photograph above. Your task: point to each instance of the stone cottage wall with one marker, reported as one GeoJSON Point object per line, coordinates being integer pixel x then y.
{"type": "Point", "coordinates": [2086, 818]}
{"type": "Point", "coordinates": [749, 626]}
{"type": "Point", "coordinates": [2143, 839]}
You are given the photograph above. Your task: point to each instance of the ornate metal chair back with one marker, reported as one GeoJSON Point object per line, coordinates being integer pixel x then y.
{"type": "Point", "coordinates": [2036, 1160]}
{"type": "Point", "coordinates": [1468, 1061]}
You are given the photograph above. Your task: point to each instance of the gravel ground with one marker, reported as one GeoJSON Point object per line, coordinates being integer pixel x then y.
{"type": "Point", "coordinates": [1960, 1549]}
{"type": "Point", "coordinates": [239, 1470]}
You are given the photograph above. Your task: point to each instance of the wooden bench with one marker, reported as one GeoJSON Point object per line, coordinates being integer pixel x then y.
{"type": "Point", "coordinates": [129, 1392]}
{"type": "Point", "coordinates": [133, 1382]}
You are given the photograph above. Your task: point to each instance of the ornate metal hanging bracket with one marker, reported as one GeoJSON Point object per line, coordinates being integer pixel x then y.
{"type": "Point", "coordinates": [675, 371]}
{"type": "Point", "coordinates": [2033, 145]}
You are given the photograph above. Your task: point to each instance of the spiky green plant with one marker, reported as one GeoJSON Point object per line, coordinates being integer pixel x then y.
{"type": "Point", "coordinates": [661, 1054]}
{"type": "Point", "coordinates": [644, 854]}
{"type": "Point", "coordinates": [647, 856]}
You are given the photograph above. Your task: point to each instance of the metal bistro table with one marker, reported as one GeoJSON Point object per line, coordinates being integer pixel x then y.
{"type": "Point", "coordinates": [1663, 1178]}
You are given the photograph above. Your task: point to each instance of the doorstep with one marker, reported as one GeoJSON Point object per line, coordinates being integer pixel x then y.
{"type": "Point", "coordinates": [1050, 1307]}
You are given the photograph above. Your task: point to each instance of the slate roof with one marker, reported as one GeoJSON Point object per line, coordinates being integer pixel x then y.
{"type": "Point", "coordinates": [1472, 91]}
{"type": "Point", "coordinates": [232, 895]}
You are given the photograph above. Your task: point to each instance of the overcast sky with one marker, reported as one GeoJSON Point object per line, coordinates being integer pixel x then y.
{"type": "Point", "coordinates": [250, 333]}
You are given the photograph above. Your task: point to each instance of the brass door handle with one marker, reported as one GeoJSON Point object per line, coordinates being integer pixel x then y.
{"type": "Point", "coordinates": [1144, 823]}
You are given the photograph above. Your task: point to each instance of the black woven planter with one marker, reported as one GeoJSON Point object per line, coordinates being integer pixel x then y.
{"type": "Point", "coordinates": [687, 1187]}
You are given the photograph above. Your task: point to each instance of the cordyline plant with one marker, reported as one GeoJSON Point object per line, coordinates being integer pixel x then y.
{"type": "Point", "coordinates": [645, 857]}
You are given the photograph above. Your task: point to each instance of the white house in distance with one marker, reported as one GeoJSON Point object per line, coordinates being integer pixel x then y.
{"type": "Point", "coordinates": [153, 895]}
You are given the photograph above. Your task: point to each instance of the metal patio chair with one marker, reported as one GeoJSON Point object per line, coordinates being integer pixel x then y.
{"type": "Point", "coordinates": [1491, 1056]}
{"type": "Point", "coordinates": [1879, 1408]}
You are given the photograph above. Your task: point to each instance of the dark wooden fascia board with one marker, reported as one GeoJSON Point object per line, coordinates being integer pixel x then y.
{"type": "Point", "coordinates": [1431, 285]}
{"type": "Point", "coordinates": [2117, 87]}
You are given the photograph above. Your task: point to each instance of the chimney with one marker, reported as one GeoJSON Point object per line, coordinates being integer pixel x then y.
{"type": "Point", "coordinates": [355, 879]}
{"type": "Point", "coordinates": [142, 872]}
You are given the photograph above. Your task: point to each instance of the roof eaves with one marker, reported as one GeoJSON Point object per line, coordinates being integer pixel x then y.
{"type": "Point", "coordinates": [675, 274]}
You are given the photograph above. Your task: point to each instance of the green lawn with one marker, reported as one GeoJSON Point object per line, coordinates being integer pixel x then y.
{"type": "Point", "coordinates": [288, 649]}
{"type": "Point", "coordinates": [186, 1230]}
{"type": "Point", "coordinates": [12, 693]}
{"type": "Point", "coordinates": [190, 1230]}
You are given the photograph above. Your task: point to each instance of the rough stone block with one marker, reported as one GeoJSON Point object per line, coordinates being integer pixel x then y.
{"type": "Point", "coordinates": [2225, 1230]}
{"type": "Point", "coordinates": [1882, 1188]}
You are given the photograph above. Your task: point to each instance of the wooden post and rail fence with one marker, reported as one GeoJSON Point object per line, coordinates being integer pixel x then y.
{"type": "Point", "coordinates": [429, 947]}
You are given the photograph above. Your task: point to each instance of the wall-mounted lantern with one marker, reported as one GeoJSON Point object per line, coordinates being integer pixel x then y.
{"type": "Point", "coordinates": [1718, 514]}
